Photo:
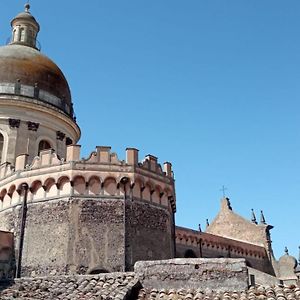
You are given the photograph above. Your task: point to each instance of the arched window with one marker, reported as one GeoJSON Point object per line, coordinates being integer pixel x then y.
{"type": "Point", "coordinates": [1, 146]}
{"type": "Point", "coordinates": [44, 145]}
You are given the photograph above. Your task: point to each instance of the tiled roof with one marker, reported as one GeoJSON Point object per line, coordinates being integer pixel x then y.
{"type": "Point", "coordinates": [113, 286]}
{"type": "Point", "coordinates": [254, 293]}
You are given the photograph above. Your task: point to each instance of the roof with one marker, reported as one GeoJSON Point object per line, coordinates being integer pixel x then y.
{"type": "Point", "coordinates": [105, 286]}
{"type": "Point", "coordinates": [122, 286]}
{"type": "Point", "coordinates": [253, 293]}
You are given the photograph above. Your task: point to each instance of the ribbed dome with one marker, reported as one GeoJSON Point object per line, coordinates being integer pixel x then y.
{"type": "Point", "coordinates": [31, 69]}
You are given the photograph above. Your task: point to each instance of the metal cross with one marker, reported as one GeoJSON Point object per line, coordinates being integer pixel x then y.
{"type": "Point", "coordinates": [223, 189]}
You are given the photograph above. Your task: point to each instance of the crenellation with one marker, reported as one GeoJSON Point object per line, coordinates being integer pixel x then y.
{"type": "Point", "coordinates": [132, 156]}
{"type": "Point", "coordinates": [73, 153]}
{"type": "Point", "coordinates": [21, 162]}
{"type": "Point", "coordinates": [103, 154]}
{"type": "Point", "coordinates": [49, 178]}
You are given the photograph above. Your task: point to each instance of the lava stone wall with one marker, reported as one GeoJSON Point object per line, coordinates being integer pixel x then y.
{"type": "Point", "coordinates": [149, 232]}
{"type": "Point", "coordinates": [71, 236]}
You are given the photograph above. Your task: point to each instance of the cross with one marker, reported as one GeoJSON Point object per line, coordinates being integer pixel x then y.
{"type": "Point", "coordinates": [223, 189]}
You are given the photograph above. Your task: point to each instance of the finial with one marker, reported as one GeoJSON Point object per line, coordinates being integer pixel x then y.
{"type": "Point", "coordinates": [262, 218]}
{"type": "Point", "coordinates": [199, 227]}
{"type": "Point", "coordinates": [27, 7]}
{"type": "Point", "coordinates": [207, 223]}
{"type": "Point", "coordinates": [253, 217]}
{"type": "Point", "coordinates": [286, 250]}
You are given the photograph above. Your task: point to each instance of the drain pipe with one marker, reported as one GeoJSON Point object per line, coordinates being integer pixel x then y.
{"type": "Point", "coordinates": [124, 181]}
{"type": "Point", "coordinates": [24, 189]}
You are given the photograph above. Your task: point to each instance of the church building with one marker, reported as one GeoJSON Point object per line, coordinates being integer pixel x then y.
{"type": "Point", "coordinates": [63, 215]}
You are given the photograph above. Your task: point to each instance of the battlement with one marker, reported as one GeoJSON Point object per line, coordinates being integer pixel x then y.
{"type": "Point", "coordinates": [100, 175]}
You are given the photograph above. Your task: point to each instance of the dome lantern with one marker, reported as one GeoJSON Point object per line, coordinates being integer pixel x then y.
{"type": "Point", "coordinates": [25, 28]}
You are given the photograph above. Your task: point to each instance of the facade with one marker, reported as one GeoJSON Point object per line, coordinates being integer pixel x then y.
{"type": "Point", "coordinates": [64, 215]}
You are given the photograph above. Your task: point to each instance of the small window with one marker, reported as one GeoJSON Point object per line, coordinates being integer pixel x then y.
{"type": "Point", "coordinates": [1, 146]}
{"type": "Point", "coordinates": [22, 30]}
{"type": "Point", "coordinates": [44, 145]}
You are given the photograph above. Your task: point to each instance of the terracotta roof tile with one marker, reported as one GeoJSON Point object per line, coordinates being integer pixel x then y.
{"type": "Point", "coordinates": [253, 293]}
{"type": "Point", "coordinates": [104, 286]}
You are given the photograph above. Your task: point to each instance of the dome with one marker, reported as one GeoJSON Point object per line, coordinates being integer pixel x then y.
{"type": "Point", "coordinates": [288, 260]}
{"type": "Point", "coordinates": [24, 15]}
{"type": "Point", "coordinates": [38, 77]}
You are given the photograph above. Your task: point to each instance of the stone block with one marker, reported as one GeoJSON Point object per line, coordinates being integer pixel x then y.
{"type": "Point", "coordinates": [222, 274]}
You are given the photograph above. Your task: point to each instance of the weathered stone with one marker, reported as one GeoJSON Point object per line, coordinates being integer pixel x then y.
{"type": "Point", "coordinates": [199, 273]}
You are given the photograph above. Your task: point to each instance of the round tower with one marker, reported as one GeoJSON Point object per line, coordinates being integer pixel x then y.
{"type": "Point", "coordinates": [71, 215]}
{"type": "Point", "coordinates": [36, 111]}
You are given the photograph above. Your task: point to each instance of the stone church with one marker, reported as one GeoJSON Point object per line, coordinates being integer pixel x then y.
{"type": "Point", "coordinates": [63, 216]}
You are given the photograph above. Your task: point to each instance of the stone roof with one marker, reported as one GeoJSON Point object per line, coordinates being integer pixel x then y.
{"type": "Point", "coordinates": [253, 293]}
{"type": "Point", "coordinates": [104, 286]}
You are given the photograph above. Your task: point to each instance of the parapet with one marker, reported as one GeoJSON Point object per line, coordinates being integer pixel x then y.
{"type": "Point", "coordinates": [222, 274]}
{"type": "Point", "coordinates": [100, 175]}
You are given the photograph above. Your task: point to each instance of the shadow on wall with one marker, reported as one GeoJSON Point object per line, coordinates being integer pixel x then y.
{"type": "Point", "coordinates": [96, 270]}
{"type": "Point", "coordinates": [190, 254]}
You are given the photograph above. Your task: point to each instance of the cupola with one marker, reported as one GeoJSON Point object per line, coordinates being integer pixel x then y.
{"type": "Point", "coordinates": [25, 29]}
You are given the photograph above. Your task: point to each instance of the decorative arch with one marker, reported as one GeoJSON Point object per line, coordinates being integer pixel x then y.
{"type": "Point", "coordinates": [110, 186]}
{"type": "Point", "coordinates": [156, 196]}
{"type": "Point", "coordinates": [147, 193]}
{"type": "Point", "coordinates": [50, 187]}
{"type": "Point", "coordinates": [79, 185]}
{"type": "Point", "coordinates": [94, 185]}
{"type": "Point", "coordinates": [37, 190]}
{"type": "Point", "coordinates": [124, 184]}
{"type": "Point", "coordinates": [48, 183]}
{"type": "Point", "coordinates": [138, 187]}
{"type": "Point", "coordinates": [3, 193]}
{"type": "Point", "coordinates": [64, 185]}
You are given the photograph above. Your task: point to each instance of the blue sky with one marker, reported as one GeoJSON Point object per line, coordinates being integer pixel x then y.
{"type": "Point", "coordinates": [212, 86]}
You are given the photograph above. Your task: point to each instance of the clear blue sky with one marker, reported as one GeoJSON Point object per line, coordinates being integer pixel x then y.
{"type": "Point", "coordinates": [212, 86]}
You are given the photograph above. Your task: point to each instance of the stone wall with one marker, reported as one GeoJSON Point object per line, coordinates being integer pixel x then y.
{"type": "Point", "coordinates": [149, 233]}
{"type": "Point", "coordinates": [70, 236]}
{"type": "Point", "coordinates": [192, 243]}
{"type": "Point", "coordinates": [79, 235]}
{"type": "Point", "coordinates": [198, 273]}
